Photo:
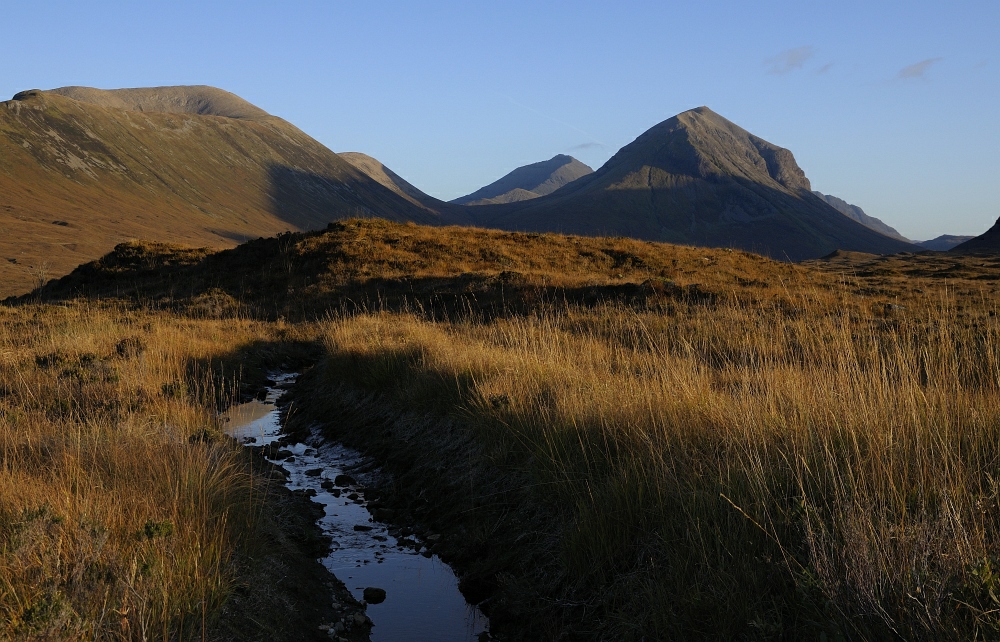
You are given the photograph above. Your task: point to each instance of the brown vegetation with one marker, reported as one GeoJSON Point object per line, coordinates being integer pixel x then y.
{"type": "Point", "coordinates": [123, 513]}
{"type": "Point", "coordinates": [720, 471]}
{"type": "Point", "coordinates": [619, 439]}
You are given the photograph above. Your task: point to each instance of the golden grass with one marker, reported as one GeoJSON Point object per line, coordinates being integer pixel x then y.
{"type": "Point", "coordinates": [734, 469]}
{"type": "Point", "coordinates": [790, 451]}
{"type": "Point", "coordinates": [119, 513]}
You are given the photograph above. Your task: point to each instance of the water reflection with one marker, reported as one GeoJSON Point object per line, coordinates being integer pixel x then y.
{"type": "Point", "coordinates": [422, 601]}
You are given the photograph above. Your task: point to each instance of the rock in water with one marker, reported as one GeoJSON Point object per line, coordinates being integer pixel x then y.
{"type": "Point", "coordinates": [374, 595]}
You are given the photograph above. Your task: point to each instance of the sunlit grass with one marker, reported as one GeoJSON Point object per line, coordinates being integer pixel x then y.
{"type": "Point", "coordinates": [120, 510]}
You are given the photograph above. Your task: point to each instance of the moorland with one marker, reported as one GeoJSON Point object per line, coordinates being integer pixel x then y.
{"type": "Point", "coordinates": [617, 439]}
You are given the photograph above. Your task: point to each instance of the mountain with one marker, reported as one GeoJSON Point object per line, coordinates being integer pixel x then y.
{"type": "Point", "coordinates": [988, 242]}
{"type": "Point", "coordinates": [856, 213]}
{"type": "Point", "coordinates": [529, 182]}
{"type": "Point", "coordinates": [83, 169]}
{"type": "Point", "coordinates": [698, 179]}
{"type": "Point", "coordinates": [944, 242]}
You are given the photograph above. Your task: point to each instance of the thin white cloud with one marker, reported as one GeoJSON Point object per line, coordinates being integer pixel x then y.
{"type": "Point", "coordinates": [585, 146]}
{"type": "Point", "coordinates": [918, 69]}
{"type": "Point", "coordinates": [790, 59]}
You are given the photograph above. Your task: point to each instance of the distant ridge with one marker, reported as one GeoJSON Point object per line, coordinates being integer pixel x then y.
{"type": "Point", "coordinates": [193, 99]}
{"type": "Point", "coordinates": [698, 179]}
{"type": "Point", "coordinates": [529, 182]}
{"type": "Point", "coordinates": [987, 243]}
{"type": "Point", "coordinates": [856, 213]}
{"type": "Point", "coordinates": [944, 242]}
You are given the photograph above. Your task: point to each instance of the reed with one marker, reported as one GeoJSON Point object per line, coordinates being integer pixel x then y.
{"type": "Point", "coordinates": [734, 469]}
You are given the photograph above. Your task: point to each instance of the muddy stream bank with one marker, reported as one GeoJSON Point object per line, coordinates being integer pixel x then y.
{"type": "Point", "coordinates": [408, 594]}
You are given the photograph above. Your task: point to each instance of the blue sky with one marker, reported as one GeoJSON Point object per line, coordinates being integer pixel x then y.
{"type": "Point", "coordinates": [890, 105]}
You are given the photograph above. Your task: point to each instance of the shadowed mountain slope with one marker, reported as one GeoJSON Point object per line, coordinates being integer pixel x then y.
{"type": "Point", "coordinates": [82, 169]}
{"type": "Point", "coordinates": [698, 179]}
{"type": "Point", "coordinates": [988, 242]}
{"type": "Point", "coordinates": [374, 168]}
{"type": "Point", "coordinates": [857, 214]}
{"type": "Point", "coordinates": [385, 176]}
{"type": "Point", "coordinates": [528, 182]}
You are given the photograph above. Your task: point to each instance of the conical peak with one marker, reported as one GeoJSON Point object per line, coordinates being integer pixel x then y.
{"type": "Point", "coordinates": [701, 143]}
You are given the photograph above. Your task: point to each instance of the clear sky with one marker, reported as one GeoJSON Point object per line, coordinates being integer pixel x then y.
{"type": "Point", "coordinates": [891, 105]}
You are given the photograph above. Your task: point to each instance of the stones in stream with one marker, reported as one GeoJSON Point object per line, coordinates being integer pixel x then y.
{"type": "Point", "coordinates": [374, 595]}
{"type": "Point", "coordinates": [387, 551]}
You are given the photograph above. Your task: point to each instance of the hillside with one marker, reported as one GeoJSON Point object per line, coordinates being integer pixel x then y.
{"type": "Point", "coordinates": [987, 243]}
{"type": "Point", "coordinates": [388, 178]}
{"type": "Point", "coordinates": [82, 170]}
{"type": "Point", "coordinates": [529, 182]}
{"type": "Point", "coordinates": [698, 179]}
{"type": "Point", "coordinates": [857, 214]}
{"type": "Point", "coordinates": [374, 169]}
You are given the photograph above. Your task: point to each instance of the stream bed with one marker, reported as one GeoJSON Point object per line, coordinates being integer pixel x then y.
{"type": "Point", "coordinates": [422, 602]}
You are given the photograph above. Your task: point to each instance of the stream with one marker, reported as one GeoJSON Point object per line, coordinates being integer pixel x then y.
{"type": "Point", "coordinates": [422, 600]}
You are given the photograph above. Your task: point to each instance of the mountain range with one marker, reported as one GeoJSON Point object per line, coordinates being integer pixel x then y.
{"type": "Point", "coordinates": [697, 179]}
{"type": "Point", "coordinates": [83, 169]}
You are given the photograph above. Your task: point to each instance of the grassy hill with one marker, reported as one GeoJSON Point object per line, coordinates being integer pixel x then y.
{"type": "Point", "coordinates": [359, 264]}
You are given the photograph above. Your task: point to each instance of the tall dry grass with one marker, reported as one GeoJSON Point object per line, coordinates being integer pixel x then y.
{"type": "Point", "coordinates": [120, 513]}
{"type": "Point", "coordinates": [735, 470]}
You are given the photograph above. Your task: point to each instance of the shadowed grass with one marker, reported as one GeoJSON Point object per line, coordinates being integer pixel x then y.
{"type": "Point", "coordinates": [726, 471]}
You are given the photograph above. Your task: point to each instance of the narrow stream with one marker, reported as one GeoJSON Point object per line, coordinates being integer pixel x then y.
{"type": "Point", "coordinates": [422, 600]}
